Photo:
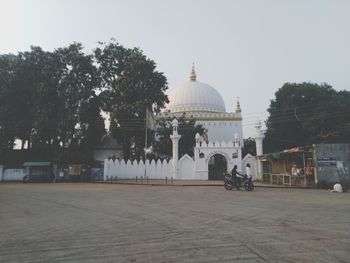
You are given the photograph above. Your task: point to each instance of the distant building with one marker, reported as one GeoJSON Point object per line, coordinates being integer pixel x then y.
{"type": "Point", "coordinates": [108, 148]}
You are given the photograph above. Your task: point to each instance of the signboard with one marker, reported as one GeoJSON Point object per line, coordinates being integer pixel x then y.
{"type": "Point", "coordinates": [74, 169]}
{"type": "Point", "coordinates": [326, 162]}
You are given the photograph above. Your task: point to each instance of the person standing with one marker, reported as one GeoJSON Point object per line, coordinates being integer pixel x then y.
{"type": "Point", "coordinates": [248, 171]}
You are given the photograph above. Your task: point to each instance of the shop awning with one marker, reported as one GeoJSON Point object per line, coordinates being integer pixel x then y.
{"type": "Point", "coordinates": [274, 155]}
{"type": "Point", "coordinates": [36, 164]}
{"type": "Point", "coordinates": [293, 150]}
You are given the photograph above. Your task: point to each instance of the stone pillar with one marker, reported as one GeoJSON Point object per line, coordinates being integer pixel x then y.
{"type": "Point", "coordinates": [1, 172]}
{"type": "Point", "coordinates": [175, 137]}
{"type": "Point", "coordinates": [105, 169]}
{"type": "Point", "coordinates": [259, 137]}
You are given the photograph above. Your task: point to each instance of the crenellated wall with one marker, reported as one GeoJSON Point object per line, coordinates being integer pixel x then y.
{"type": "Point", "coordinates": [188, 169]}
{"type": "Point", "coordinates": [154, 169]}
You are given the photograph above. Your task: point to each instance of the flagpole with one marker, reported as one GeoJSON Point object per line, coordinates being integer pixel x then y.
{"type": "Point", "coordinates": [146, 124]}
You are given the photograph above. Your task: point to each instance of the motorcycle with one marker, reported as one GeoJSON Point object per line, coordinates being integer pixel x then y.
{"type": "Point", "coordinates": [229, 183]}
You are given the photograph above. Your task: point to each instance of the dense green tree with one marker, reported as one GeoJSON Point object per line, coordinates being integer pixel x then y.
{"type": "Point", "coordinates": [51, 101]}
{"type": "Point", "coordinates": [249, 147]}
{"type": "Point", "coordinates": [129, 85]}
{"type": "Point", "coordinates": [91, 127]}
{"type": "Point", "coordinates": [162, 144]}
{"type": "Point", "coordinates": [307, 113]}
{"type": "Point", "coordinates": [78, 82]}
{"type": "Point", "coordinates": [48, 99]}
{"type": "Point", "coordinates": [35, 85]}
{"type": "Point", "coordinates": [7, 99]}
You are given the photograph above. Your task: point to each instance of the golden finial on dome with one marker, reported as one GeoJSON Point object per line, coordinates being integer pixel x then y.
{"type": "Point", "coordinates": [193, 76]}
{"type": "Point", "coordinates": [238, 106]}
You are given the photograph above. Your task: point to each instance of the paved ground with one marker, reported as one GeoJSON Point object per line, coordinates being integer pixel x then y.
{"type": "Point", "coordinates": [160, 182]}
{"type": "Point", "coordinates": [130, 223]}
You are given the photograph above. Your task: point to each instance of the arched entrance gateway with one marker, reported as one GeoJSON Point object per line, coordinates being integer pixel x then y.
{"type": "Point", "coordinates": [217, 167]}
{"type": "Point", "coordinates": [213, 159]}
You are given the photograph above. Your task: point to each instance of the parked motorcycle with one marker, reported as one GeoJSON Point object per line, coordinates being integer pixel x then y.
{"type": "Point", "coordinates": [229, 183]}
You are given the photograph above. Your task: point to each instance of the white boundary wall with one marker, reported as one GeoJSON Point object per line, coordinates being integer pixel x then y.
{"type": "Point", "coordinates": [131, 170]}
{"type": "Point", "coordinates": [154, 169]}
{"type": "Point", "coordinates": [12, 174]}
{"type": "Point", "coordinates": [188, 169]}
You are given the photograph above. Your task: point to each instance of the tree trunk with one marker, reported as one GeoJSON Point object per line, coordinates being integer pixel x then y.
{"type": "Point", "coordinates": [22, 143]}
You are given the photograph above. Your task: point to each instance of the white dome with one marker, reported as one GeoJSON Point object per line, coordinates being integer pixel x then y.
{"type": "Point", "coordinates": [194, 96]}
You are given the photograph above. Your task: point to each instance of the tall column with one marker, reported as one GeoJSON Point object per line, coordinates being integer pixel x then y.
{"type": "Point", "coordinates": [175, 137]}
{"type": "Point", "coordinates": [259, 137]}
{"type": "Point", "coordinates": [1, 171]}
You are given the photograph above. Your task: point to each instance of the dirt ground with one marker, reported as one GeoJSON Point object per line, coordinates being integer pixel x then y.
{"type": "Point", "coordinates": [133, 223]}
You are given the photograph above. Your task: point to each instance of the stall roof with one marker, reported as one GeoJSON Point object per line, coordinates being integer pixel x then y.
{"type": "Point", "coordinates": [293, 150]}
{"type": "Point", "coordinates": [36, 164]}
{"type": "Point", "coordinates": [274, 155]}
{"type": "Point", "coordinates": [277, 155]}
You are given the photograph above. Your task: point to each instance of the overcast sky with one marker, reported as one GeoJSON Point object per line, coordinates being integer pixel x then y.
{"type": "Point", "coordinates": [242, 48]}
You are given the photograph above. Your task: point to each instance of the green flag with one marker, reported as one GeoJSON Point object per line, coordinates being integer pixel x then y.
{"type": "Point", "coordinates": [150, 120]}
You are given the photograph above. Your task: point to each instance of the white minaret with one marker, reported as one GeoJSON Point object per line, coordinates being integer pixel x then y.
{"type": "Point", "coordinates": [259, 137]}
{"type": "Point", "coordinates": [175, 137]}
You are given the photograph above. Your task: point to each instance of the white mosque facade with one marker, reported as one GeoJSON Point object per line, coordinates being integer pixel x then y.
{"type": "Point", "coordinates": [215, 153]}
{"type": "Point", "coordinates": [205, 104]}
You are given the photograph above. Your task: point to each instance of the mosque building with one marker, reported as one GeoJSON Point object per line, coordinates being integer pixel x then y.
{"type": "Point", "coordinates": [215, 153]}
{"type": "Point", "coordinates": [205, 104]}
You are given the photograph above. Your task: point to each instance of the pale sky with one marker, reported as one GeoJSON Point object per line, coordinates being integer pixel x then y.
{"type": "Point", "coordinates": [246, 48]}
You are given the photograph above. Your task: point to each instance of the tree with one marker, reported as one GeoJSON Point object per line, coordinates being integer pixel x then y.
{"type": "Point", "coordinates": [52, 100]}
{"type": "Point", "coordinates": [35, 84]}
{"type": "Point", "coordinates": [162, 144]}
{"type": "Point", "coordinates": [76, 91]}
{"type": "Point", "coordinates": [249, 147]}
{"type": "Point", "coordinates": [7, 105]}
{"type": "Point", "coordinates": [45, 98]}
{"type": "Point", "coordinates": [129, 85]}
{"type": "Point", "coordinates": [91, 126]}
{"type": "Point", "coordinates": [307, 113]}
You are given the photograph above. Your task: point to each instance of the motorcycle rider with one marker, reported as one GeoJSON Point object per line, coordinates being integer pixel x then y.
{"type": "Point", "coordinates": [236, 176]}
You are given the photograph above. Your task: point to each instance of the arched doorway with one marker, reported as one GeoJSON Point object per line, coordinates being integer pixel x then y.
{"type": "Point", "coordinates": [217, 167]}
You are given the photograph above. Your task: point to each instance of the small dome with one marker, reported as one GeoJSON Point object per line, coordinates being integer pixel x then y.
{"type": "Point", "coordinates": [195, 96]}
{"type": "Point", "coordinates": [108, 141]}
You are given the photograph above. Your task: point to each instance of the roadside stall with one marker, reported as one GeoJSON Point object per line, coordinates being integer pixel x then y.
{"type": "Point", "coordinates": [38, 172]}
{"type": "Point", "coordinates": [292, 167]}
{"type": "Point", "coordinates": [77, 172]}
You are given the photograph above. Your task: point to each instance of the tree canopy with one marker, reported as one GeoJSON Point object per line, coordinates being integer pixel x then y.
{"type": "Point", "coordinates": [45, 99]}
{"type": "Point", "coordinates": [129, 84]}
{"type": "Point", "coordinates": [307, 113]}
{"type": "Point", "coordinates": [187, 129]}
{"type": "Point", "coordinates": [53, 100]}
{"type": "Point", "coordinates": [249, 147]}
